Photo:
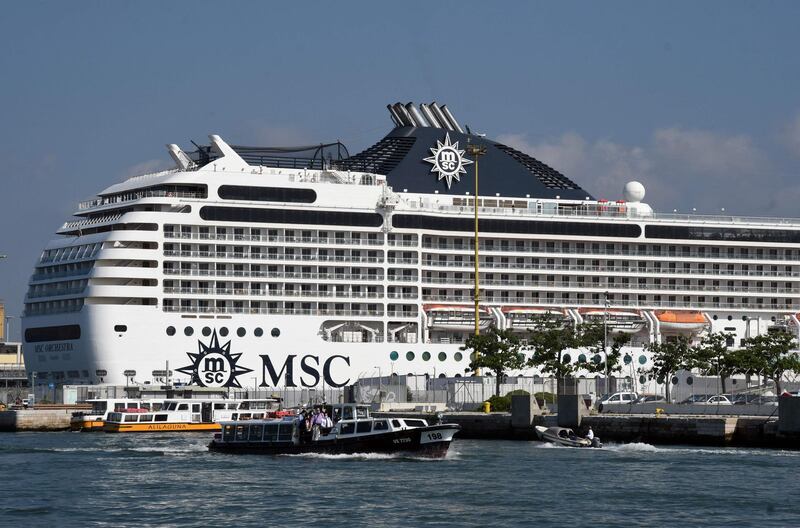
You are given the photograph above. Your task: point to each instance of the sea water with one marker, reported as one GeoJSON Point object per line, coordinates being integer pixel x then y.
{"type": "Point", "coordinates": [143, 480]}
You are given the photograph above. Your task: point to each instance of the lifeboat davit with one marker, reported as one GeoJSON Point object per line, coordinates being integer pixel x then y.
{"type": "Point", "coordinates": [531, 317]}
{"type": "Point", "coordinates": [620, 321]}
{"type": "Point", "coordinates": [681, 321]}
{"type": "Point", "coordinates": [455, 317]}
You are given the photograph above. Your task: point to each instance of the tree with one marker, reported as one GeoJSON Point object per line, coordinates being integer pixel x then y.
{"type": "Point", "coordinates": [669, 358]}
{"type": "Point", "coordinates": [772, 354]}
{"type": "Point", "coordinates": [495, 350]}
{"type": "Point", "coordinates": [547, 343]}
{"type": "Point", "coordinates": [713, 358]}
{"type": "Point", "coordinates": [592, 336]}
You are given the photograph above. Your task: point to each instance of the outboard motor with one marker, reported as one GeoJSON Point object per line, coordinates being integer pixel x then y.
{"type": "Point", "coordinates": [596, 442]}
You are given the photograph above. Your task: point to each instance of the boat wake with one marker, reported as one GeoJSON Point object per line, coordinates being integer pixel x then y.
{"type": "Point", "coordinates": [365, 456]}
{"type": "Point", "coordinates": [633, 447]}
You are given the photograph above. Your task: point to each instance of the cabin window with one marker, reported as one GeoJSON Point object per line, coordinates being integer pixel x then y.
{"type": "Point", "coordinates": [271, 433]}
{"type": "Point", "coordinates": [255, 432]}
{"type": "Point", "coordinates": [241, 432]}
{"type": "Point", "coordinates": [415, 423]}
{"type": "Point", "coordinates": [396, 423]}
{"type": "Point", "coordinates": [119, 406]}
{"type": "Point", "coordinates": [160, 418]}
{"type": "Point", "coordinates": [347, 428]}
{"type": "Point", "coordinates": [227, 433]}
{"type": "Point", "coordinates": [364, 427]}
{"type": "Point", "coordinates": [361, 413]}
{"type": "Point", "coordinates": [146, 418]}
{"type": "Point", "coordinates": [380, 425]}
{"type": "Point", "coordinates": [183, 407]}
{"type": "Point", "coordinates": [347, 413]}
{"type": "Point", "coordinates": [130, 417]}
{"type": "Point", "coordinates": [195, 407]}
{"type": "Point", "coordinates": [231, 406]}
{"type": "Point", "coordinates": [285, 432]}
{"type": "Point", "coordinates": [219, 406]}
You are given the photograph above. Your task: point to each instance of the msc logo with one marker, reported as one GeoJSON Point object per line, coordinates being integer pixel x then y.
{"type": "Point", "coordinates": [448, 160]}
{"type": "Point", "coordinates": [214, 365]}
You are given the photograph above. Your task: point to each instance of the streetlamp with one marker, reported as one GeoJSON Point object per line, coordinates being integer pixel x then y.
{"type": "Point", "coordinates": [476, 151]}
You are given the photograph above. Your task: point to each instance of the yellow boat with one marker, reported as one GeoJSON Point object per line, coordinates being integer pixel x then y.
{"type": "Point", "coordinates": [95, 419]}
{"type": "Point", "coordinates": [190, 415]}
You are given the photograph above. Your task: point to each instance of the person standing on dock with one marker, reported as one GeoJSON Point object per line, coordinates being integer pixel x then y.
{"type": "Point", "coordinates": [590, 434]}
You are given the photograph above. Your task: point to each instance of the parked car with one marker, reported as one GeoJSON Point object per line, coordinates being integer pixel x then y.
{"type": "Point", "coordinates": [651, 398]}
{"type": "Point", "coordinates": [719, 399]}
{"type": "Point", "coordinates": [618, 398]}
{"type": "Point", "coordinates": [696, 398]}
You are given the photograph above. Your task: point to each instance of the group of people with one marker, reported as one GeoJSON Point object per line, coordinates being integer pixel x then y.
{"type": "Point", "coordinates": [312, 423]}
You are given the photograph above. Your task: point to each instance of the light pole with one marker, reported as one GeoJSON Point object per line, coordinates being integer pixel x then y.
{"type": "Point", "coordinates": [476, 151]}
{"type": "Point", "coordinates": [255, 386]}
{"type": "Point", "coordinates": [605, 340]}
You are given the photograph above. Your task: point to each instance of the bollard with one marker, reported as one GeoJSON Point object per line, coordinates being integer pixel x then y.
{"type": "Point", "coordinates": [487, 407]}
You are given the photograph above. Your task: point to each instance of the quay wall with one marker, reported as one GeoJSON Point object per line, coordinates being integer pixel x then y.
{"type": "Point", "coordinates": [53, 419]}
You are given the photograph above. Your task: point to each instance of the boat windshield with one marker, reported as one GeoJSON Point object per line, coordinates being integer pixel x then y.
{"type": "Point", "coordinates": [99, 407]}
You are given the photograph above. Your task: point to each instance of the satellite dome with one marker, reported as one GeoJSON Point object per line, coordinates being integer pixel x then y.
{"type": "Point", "coordinates": [633, 191]}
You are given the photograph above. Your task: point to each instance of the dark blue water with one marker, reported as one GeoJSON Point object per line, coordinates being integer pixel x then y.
{"type": "Point", "coordinates": [97, 479]}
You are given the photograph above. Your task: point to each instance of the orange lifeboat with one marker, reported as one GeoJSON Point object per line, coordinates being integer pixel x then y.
{"type": "Point", "coordinates": [681, 321]}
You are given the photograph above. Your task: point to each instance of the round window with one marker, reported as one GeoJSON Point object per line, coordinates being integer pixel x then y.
{"type": "Point", "coordinates": [642, 359]}
{"type": "Point", "coordinates": [566, 358]}
{"type": "Point", "coordinates": [674, 380]}
{"type": "Point", "coordinates": [627, 359]}
{"type": "Point", "coordinates": [206, 331]}
{"type": "Point", "coordinates": [394, 355]}
{"type": "Point", "coordinates": [241, 332]}
{"type": "Point", "coordinates": [689, 380]}
{"type": "Point", "coordinates": [596, 359]}
{"type": "Point", "coordinates": [458, 356]}
{"type": "Point", "coordinates": [642, 379]}
{"type": "Point", "coordinates": [188, 331]}
{"type": "Point", "coordinates": [442, 356]}
{"type": "Point", "coordinates": [223, 331]}
{"type": "Point", "coordinates": [275, 332]}
{"type": "Point", "coordinates": [409, 356]}
{"type": "Point", "coordinates": [170, 330]}
{"type": "Point", "coordinates": [258, 332]}
{"type": "Point", "coordinates": [582, 358]}
{"type": "Point", "coordinates": [426, 356]}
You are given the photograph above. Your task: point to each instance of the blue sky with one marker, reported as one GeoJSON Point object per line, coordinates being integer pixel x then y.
{"type": "Point", "coordinates": [698, 100]}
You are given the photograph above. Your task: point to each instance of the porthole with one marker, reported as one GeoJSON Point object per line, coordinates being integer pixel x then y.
{"type": "Point", "coordinates": [458, 375]}
{"type": "Point", "coordinates": [642, 380]}
{"type": "Point", "coordinates": [409, 356]}
{"type": "Point", "coordinates": [582, 358]}
{"type": "Point", "coordinates": [596, 359]}
{"type": "Point", "coordinates": [730, 318]}
{"type": "Point", "coordinates": [258, 332]}
{"type": "Point", "coordinates": [627, 359]}
{"type": "Point", "coordinates": [715, 317]}
{"type": "Point", "coordinates": [690, 380]}
{"type": "Point", "coordinates": [442, 376]}
{"type": "Point", "coordinates": [442, 356]}
{"type": "Point", "coordinates": [241, 332]}
{"type": "Point", "coordinates": [458, 356]}
{"type": "Point", "coordinates": [188, 331]}
{"type": "Point", "coordinates": [394, 355]}
{"type": "Point", "coordinates": [642, 359]}
{"type": "Point", "coordinates": [426, 356]}
{"type": "Point", "coordinates": [206, 331]}
{"type": "Point", "coordinates": [744, 318]}
{"type": "Point", "coordinates": [120, 328]}
{"type": "Point", "coordinates": [223, 331]}
{"type": "Point", "coordinates": [275, 332]}
{"type": "Point", "coordinates": [674, 380]}
{"type": "Point", "coordinates": [566, 358]}
{"type": "Point", "coordinates": [170, 330]}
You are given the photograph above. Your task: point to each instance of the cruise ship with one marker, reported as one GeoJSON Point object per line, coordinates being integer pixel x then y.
{"type": "Point", "coordinates": [311, 267]}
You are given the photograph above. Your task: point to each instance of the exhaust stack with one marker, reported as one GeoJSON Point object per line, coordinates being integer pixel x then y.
{"type": "Point", "coordinates": [416, 117]}
{"type": "Point", "coordinates": [440, 116]}
{"type": "Point", "coordinates": [451, 118]}
{"type": "Point", "coordinates": [429, 116]}
{"type": "Point", "coordinates": [395, 116]}
{"type": "Point", "coordinates": [403, 114]}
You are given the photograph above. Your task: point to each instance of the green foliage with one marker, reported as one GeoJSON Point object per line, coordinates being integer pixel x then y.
{"type": "Point", "coordinates": [712, 357]}
{"type": "Point", "coordinates": [503, 403]}
{"type": "Point", "coordinates": [545, 397]}
{"type": "Point", "coordinates": [771, 355]}
{"type": "Point", "coordinates": [496, 350]}
{"type": "Point", "coordinates": [668, 358]}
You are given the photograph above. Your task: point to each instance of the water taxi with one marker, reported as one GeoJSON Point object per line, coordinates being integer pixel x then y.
{"type": "Point", "coordinates": [95, 419]}
{"type": "Point", "coordinates": [355, 432]}
{"type": "Point", "coordinates": [192, 415]}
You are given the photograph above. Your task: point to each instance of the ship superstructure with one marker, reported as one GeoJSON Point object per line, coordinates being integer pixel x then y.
{"type": "Point", "coordinates": [312, 269]}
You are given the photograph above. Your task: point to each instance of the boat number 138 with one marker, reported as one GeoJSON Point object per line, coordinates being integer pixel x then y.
{"type": "Point", "coordinates": [434, 436]}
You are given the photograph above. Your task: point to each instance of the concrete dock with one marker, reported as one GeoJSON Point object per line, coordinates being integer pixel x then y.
{"type": "Point", "coordinates": [40, 418]}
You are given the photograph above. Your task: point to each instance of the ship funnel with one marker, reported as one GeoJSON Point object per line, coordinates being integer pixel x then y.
{"type": "Point", "coordinates": [429, 116]}
{"type": "Point", "coordinates": [416, 117]}
{"type": "Point", "coordinates": [402, 113]}
{"type": "Point", "coordinates": [395, 116]}
{"type": "Point", "coordinates": [182, 160]}
{"type": "Point", "coordinates": [440, 116]}
{"type": "Point", "coordinates": [231, 159]}
{"type": "Point", "coordinates": [451, 118]}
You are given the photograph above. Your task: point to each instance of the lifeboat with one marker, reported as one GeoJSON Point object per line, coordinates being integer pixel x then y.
{"type": "Point", "coordinates": [620, 321]}
{"type": "Point", "coordinates": [681, 321]}
{"type": "Point", "coordinates": [455, 317]}
{"type": "Point", "coordinates": [530, 317]}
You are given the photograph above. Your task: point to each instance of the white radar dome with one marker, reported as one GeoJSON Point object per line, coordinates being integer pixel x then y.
{"type": "Point", "coordinates": [633, 192]}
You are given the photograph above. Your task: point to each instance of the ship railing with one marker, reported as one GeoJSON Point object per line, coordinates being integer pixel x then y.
{"type": "Point", "coordinates": [269, 256]}
{"type": "Point", "coordinates": [364, 337]}
{"type": "Point", "coordinates": [514, 250]}
{"type": "Point", "coordinates": [610, 210]}
{"type": "Point", "coordinates": [90, 221]}
{"type": "Point", "coordinates": [679, 289]}
{"type": "Point", "coordinates": [275, 239]}
{"type": "Point", "coordinates": [136, 195]}
{"type": "Point", "coordinates": [56, 293]}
